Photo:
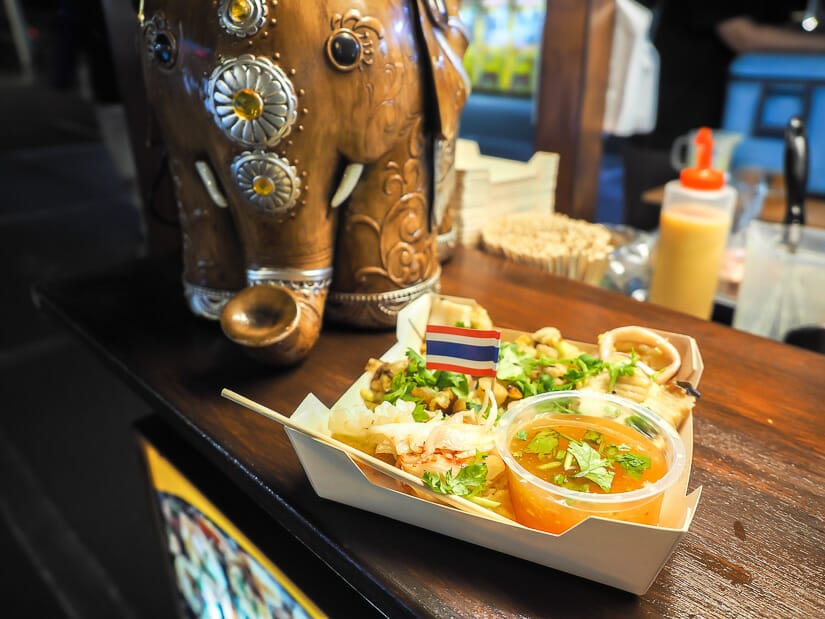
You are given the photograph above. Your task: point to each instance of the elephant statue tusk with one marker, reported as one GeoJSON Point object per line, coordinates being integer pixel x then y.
{"type": "Point", "coordinates": [211, 185]}
{"type": "Point", "coordinates": [349, 179]}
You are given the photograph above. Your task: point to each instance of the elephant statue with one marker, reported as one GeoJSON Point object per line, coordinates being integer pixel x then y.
{"type": "Point", "coordinates": [310, 143]}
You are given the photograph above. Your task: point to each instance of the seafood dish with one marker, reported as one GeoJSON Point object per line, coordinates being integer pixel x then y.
{"type": "Point", "coordinates": [441, 426]}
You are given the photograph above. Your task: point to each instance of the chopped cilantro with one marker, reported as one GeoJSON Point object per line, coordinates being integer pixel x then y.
{"type": "Point", "coordinates": [634, 464]}
{"type": "Point", "coordinates": [456, 382]}
{"type": "Point", "coordinates": [468, 482]}
{"type": "Point", "coordinates": [562, 405]}
{"type": "Point", "coordinates": [553, 464]}
{"type": "Point", "coordinates": [544, 443]}
{"type": "Point", "coordinates": [419, 414]}
{"type": "Point", "coordinates": [521, 435]}
{"type": "Point", "coordinates": [523, 370]}
{"type": "Point", "coordinates": [615, 370]}
{"type": "Point", "coordinates": [581, 368]}
{"type": "Point", "coordinates": [641, 424]}
{"type": "Point", "coordinates": [417, 375]}
{"type": "Point", "coordinates": [516, 368]}
{"type": "Point", "coordinates": [591, 465]}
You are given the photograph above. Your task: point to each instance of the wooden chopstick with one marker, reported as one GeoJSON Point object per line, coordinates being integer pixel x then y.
{"type": "Point", "coordinates": [365, 458]}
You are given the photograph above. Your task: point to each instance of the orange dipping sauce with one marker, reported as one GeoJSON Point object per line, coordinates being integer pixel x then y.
{"type": "Point", "coordinates": [634, 461]}
{"type": "Point", "coordinates": [563, 467]}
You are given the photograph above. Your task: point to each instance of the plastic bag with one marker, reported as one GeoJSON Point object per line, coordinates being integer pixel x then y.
{"type": "Point", "coordinates": [633, 83]}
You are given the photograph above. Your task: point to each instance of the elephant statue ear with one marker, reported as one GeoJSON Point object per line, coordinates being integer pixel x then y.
{"type": "Point", "coordinates": [445, 39]}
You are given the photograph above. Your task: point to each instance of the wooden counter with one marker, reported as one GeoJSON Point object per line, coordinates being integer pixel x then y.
{"type": "Point", "coordinates": [756, 544]}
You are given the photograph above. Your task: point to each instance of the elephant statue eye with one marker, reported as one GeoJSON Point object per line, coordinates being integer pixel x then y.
{"type": "Point", "coordinates": [344, 50]}
{"type": "Point", "coordinates": [164, 49]}
{"type": "Point", "coordinates": [161, 45]}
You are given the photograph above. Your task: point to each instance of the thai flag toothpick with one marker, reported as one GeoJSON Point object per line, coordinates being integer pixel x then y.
{"type": "Point", "coordinates": [458, 349]}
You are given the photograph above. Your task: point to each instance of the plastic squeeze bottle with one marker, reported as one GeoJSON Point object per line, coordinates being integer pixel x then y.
{"type": "Point", "coordinates": [694, 223]}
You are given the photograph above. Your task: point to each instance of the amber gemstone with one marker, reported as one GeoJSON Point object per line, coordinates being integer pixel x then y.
{"type": "Point", "coordinates": [247, 104]}
{"type": "Point", "coordinates": [263, 185]}
{"type": "Point", "coordinates": [239, 10]}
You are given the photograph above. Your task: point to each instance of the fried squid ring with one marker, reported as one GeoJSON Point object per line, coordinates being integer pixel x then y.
{"type": "Point", "coordinates": [640, 335]}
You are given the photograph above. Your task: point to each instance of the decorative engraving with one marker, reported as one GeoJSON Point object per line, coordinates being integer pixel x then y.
{"type": "Point", "coordinates": [242, 18]}
{"type": "Point", "coordinates": [353, 39]}
{"type": "Point", "coordinates": [306, 281]}
{"type": "Point", "coordinates": [406, 248]}
{"type": "Point", "coordinates": [267, 181]}
{"type": "Point", "coordinates": [383, 94]}
{"type": "Point", "coordinates": [252, 100]}
{"type": "Point", "coordinates": [206, 302]}
{"type": "Point", "coordinates": [377, 309]}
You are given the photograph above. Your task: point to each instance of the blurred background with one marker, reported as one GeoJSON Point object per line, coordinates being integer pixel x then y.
{"type": "Point", "coordinates": [78, 196]}
{"type": "Point", "coordinates": [76, 530]}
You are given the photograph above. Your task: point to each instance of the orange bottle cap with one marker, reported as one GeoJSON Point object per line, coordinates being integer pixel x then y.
{"type": "Point", "coordinates": [703, 176]}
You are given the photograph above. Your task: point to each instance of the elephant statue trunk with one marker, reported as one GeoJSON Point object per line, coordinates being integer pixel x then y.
{"type": "Point", "coordinates": [303, 140]}
{"type": "Point", "coordinates": [273, 323]}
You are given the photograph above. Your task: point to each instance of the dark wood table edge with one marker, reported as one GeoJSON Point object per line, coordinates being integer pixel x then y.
{"type": "Point", "coordinates": [325, 548]}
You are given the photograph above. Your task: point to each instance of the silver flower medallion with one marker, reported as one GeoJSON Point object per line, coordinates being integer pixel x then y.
{"type": "Point", "coordinates": [267, 181]}
{"type": "Point", "coordinates": [252, 100]}
{"type": "Point", "coordinates": [243, 18]}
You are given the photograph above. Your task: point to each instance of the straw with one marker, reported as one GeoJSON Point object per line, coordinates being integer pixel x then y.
{"type": "Point", "coordinates": [391, 471]}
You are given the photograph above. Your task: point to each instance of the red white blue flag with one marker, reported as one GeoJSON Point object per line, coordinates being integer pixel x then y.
{"type": "Point", "coordinates": [459, 349]}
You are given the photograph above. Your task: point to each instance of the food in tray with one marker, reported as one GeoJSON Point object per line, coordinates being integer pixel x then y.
{"type": "Point", "coordinates": [631, 362]}
{"type": "Point", "coordinates": [441, 426]}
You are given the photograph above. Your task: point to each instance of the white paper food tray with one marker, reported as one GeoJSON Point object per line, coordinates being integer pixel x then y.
{"type": "Point", "coordinates": [596, 549]}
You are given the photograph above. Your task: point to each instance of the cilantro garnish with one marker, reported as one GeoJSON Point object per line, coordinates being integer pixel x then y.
{"type": "Point", "coordinates": [581, 368]}
{"type": "Point", "coordinates": [468, 482]}
{"type": "Point", "coordinates": [516, 367]}
{"type": "Point", "coordinates": [544, 443]}
{"type": "Point", "coordinates": [621, 369]}
{"type": "Point", "coordinates": [591, 465]}
{"type": "Point", "coordinates": [634, 464]}
{"type": "Point", "coordinates": [521, 369]}
{"type": "Point", "coordinates": [419, 413]}
{"type": "Point", "coordinates": [417, 375]}
{"type": "Point", "coordinates": [457, 383]}
{"type": "Point", "coordinates": [639, 423]}
{"type": "Point", "coordinates": [521, 435]}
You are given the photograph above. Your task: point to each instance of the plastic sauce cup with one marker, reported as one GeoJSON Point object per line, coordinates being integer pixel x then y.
{"type": "Point", "coordinates": [543, 505]}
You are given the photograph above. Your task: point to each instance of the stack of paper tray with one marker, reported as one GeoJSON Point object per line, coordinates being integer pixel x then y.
{"type": "Point", "coordinates": [491, 187]}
